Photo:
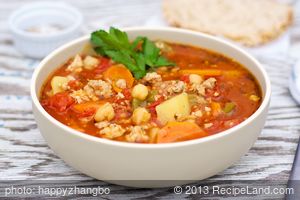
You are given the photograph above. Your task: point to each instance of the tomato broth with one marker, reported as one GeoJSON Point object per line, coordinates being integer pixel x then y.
{"type": "Point", "coordinates": [201, 94]}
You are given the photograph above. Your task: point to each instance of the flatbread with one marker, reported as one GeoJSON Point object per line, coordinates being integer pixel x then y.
{"type": "Point", "coordinates": [250, 22]}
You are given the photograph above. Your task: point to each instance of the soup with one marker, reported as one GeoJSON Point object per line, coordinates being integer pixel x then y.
{"type": "Point", "coordinates": [149, 92]}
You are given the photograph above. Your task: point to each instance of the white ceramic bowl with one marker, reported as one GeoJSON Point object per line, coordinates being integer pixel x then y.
{"type": "Point", "coordinates": [146, 165]}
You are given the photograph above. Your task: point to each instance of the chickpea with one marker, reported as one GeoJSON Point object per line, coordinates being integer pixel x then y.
{"type": "Point", "coordinates": [140, 92]}
{"type": "Point", "coordinates": [140, 115]}
{"type": "Point", "coordinates": [105, 112]}
{"type": "Point", "coordinates": [195, 78]}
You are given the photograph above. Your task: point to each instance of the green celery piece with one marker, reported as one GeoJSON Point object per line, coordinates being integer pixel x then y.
{"type": "Point", "coordinates": [151, 95]}
{"type": "Point", "coordinates": [136, 103]}
{"type": "Point", "coordinates": [192, 99]}
{"type": "Point", "coordinates": [229, 107]}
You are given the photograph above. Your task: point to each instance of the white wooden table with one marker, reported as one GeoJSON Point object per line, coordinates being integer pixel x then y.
{"type": "Point", "coordinates": [24, 154]}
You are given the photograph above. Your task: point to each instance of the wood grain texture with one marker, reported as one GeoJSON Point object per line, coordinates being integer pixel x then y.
{"type": "Point", "coordinates": [24, 154]}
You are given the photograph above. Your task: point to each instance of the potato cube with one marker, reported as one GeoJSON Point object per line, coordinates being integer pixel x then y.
{"type": "Point", "coordinates": [176, 106]}
{"type": "Point", "coordinates": [76, 65]}
{"type": "Point", "coordinates": [59, 84]}
{"type": "Point", "coordinates": [90, 62]}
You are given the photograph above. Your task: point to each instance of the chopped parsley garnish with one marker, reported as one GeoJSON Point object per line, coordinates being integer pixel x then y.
{"type": "Point", "coordinates": [138, 56]}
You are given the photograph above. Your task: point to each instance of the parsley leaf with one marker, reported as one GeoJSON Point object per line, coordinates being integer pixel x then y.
{"type": "Point", "coordinates": [138, 56]}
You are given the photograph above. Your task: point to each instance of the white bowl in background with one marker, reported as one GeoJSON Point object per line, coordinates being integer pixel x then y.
{"type": "Point", "coordinates": [57, 22]}
{"type": "Point", "coordinates": [151, 165]}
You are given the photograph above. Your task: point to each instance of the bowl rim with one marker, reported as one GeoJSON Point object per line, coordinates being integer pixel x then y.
{"type": "Point", "coordinates": [90, 138]}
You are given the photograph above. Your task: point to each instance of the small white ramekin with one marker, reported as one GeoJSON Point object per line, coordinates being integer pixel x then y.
{"type": "Point", "coordinates": [38, 45]}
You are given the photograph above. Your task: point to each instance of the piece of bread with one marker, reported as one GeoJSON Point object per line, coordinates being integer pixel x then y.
{"type": "Point", "coordinates": [250, 22]}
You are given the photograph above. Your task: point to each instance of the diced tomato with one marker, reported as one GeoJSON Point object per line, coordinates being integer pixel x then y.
{"type": "Point", "coordinates": [127, 94]}
{"type": "Point", "coordinates": [185, 78]}
{"type": "Point", "coordinates": [74, 84]}
{"type": "Point", "coordinates": [121, 114]}
{"type": "Point", "coordinates": [59, 102]}
{"type": "Point", "coordinates": [117, 100]}
{"type": "Point", "coordinates": [104, 64]}
{"type": "Point", "coordinates": [155, 120]}
{"type": "Point", "coordinates": [218, 89]}
{"type": "Point", "coordinates": [157, 102]}
{"type": "Point", "coordinates": [153, 105]}
{"type": "Point", "coordinates": [87, 113]}
{"type": "Point", "coordinates": [200, 120]}
{"type": "Point", "coordinates": [216, 127]}
{"type": "Point", "coordinates": [231, 123]}
{"type": "Point", "coordinates": [209, 92]}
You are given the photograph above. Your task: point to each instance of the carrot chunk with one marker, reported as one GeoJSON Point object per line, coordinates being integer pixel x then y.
{"type": "Point", "coordinates": [179, 131]}
{"type": "Point", "coordinates": [116, 72]}
{"type": "Point", "coordinates": [202, 72]}
{"type": "Point", "coordinates": [87, 106]}
{"type": "Point", "coordinates": [211, 72]}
